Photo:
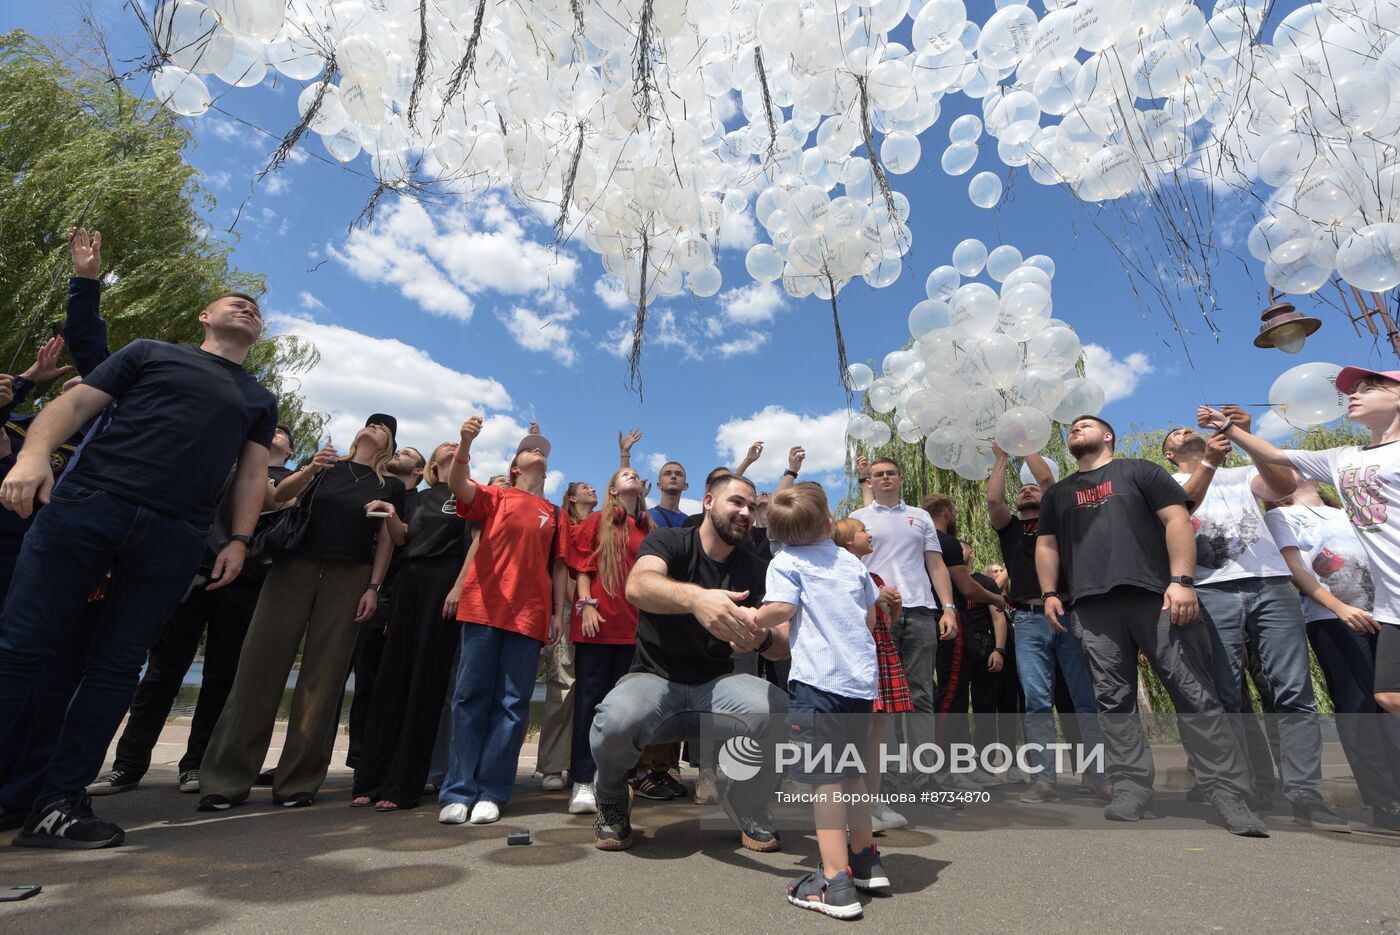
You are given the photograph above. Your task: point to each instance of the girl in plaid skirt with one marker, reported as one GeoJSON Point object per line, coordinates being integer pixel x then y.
{"type": "Point", "coordinates": [851, 535]}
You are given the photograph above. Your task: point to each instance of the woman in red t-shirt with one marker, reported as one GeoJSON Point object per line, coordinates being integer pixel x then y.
{"type": "Point", "coordinates": [601, 551]}
{"type": "Point", "coordinates": [512, 603]}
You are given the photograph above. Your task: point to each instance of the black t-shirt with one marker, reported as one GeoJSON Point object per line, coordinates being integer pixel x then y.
{"type": "Point", "coordinates": [1105, 524]}
{"type": "Point", "coordinates": [339, 530]}
{"type": "Point", "coordinates": [1017, 540]}
{"type": "Point", "coordinates": [180, 420]}
{"type": "Point", "coordinates": [952, 558]}
{"type": "Point", "coordinates": [977, 618]}
{"type": "Point", "coordinates": [222, 528]}
{"type": "Point", "coordinates": [675, 646]}
{"type": "Point", "coordinates": [434, 528]}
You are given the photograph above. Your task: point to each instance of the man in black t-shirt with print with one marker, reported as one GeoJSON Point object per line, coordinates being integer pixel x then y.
{"type": "Point", "coordinates": [139, 502]}
{"type": "Point", "coordinates": [1120, 531]}
{"type": "Point", "coordinates": [696, 590]}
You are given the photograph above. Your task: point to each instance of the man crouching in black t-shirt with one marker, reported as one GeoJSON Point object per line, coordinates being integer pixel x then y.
{"type": "Point", "coordinates": [696, 592]}
{"type": "Point", "coordinates": [140, 502]}
{"type": "Point", "coordinates": [1120, 531]}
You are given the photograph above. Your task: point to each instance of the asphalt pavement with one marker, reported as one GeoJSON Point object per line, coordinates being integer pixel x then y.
{"type": "Point", "coordinates": [993, 867]}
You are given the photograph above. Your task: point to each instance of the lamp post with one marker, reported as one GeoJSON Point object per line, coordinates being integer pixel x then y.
{"type": "Point", "coordinates": [1284, 327]}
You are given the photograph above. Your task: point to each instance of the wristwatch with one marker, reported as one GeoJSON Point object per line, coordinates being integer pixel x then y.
{"type": "Point", "coordinates": [1049, 594]}
{"type": "Point", "coordinates": [999, 649]}
{"type": "Point", "coordinates": [790, 473]}
{"type": "Point", "coordinates": [236, 537]}
{"type": "Point", "coordinates": [1183, 579]}
{"type": "Point", "coordinates": [766, 644]}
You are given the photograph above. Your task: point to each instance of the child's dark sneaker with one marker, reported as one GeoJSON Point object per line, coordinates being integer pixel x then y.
{"type": "Point", "coordinates": [835, 897]}
{"type": "Point", "coordinates": [867, 873]}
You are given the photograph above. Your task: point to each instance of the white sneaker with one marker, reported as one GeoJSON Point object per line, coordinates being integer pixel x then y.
{"type": "Point", "coordinates": [1015, 777]}
{"type": "Point", "coordinates": [454, 814]}
{"type": "Point", "coordinates": [553, 782]}
{"type": "Point", "coordinates": [484, 812]}
{"type": "Point", "coordinates": [887, 817]}
{"type": "Point", "coordinates": [583, 802]}
{"type": "Point", "coordinates": [984, 778]}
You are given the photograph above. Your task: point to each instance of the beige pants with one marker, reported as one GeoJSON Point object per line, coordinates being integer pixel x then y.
{"type": "Point", "coordinates": [556, 733]}
{"type": "Point", "coordinates": [301, 598]}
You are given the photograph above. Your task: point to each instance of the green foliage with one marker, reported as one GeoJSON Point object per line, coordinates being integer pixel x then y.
{"type": "Point", "coordinates": [70, 137]}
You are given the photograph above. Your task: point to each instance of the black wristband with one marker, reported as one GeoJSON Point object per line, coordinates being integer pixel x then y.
{"type": "Point", "coordinates": [766, 644]}
{"type": "Point", "coordinates": [246, 540]}
{"type": "Point", "coordinates": [790, 473]}
{"type": "Point", "coordinates": [999, 649]}
{"type": "Point", "coordinates": [1049, 594]}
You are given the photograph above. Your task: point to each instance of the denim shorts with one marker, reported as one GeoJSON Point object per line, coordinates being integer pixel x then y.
{"type": "Point", "coordinates": [826, 725]}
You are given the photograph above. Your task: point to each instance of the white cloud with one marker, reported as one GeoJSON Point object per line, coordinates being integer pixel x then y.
{"type": "Point", "coordinates": [430, 400]}
{"type": "Point", "coordinates": [752, 304]}
{"type": "Point", "coordinates": [310, 301]}
{"type": "Point", "coordinates": [823, 436]}
{"type": "Point", "coordinates": [690, 507]}
{"type": "Point", "coordinates": [737, 231]}
{"type": "Point", "coordinates": [1273, 427]}
{"type": "Point", "coordinates": [613, 293]}
{"type": "Point", "coordinates": [656, 462]}
{"type": "Point", "coordinates": [543, 332]}
{"type": "Point", "coordinates": [443, 259]}
{"type": "Point", "coordinates": [1118, 377]}
{"type": "Point", "coordinates": [748, 343]}
{"type": "Point", "coordinates": [276, 184]}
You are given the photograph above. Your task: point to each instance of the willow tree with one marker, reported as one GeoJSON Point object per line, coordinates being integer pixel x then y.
{"type": "Point", "coordinates": [75, 146]}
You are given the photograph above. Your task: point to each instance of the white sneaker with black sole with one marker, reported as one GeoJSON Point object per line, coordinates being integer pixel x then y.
{"type": "Point", "coordinates": [118, 780]}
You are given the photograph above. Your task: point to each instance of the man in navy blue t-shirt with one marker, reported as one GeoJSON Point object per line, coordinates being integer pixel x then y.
{"type": "Point", "coordinates": [139, 502]}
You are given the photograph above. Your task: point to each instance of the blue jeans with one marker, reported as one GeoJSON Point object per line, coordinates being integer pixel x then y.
{"type": "Point", "coordinates": [80, 535]}
{"type": "Point", "coordinates": [1265, 614]}
{"type": "Point", "coordinates": [1038, 647]}
{"type": "Point", "coordinates": [490, 712]}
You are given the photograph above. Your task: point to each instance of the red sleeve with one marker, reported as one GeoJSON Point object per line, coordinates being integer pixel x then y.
{"type": "Point", "coordinates": [583, 540]}
{"type": "Point", "coordinates": [482, 505]}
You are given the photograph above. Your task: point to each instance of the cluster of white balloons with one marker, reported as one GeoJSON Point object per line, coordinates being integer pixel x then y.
{"type": "Point", "coordinates": [647, 123]}
{"type": "Point", "coordinates": [987, 365]}
{"type": "Point", "coordinates": [1111, 97]}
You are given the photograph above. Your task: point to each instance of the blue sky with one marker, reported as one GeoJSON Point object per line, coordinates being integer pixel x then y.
{"type": "Point", "coordinates": [434, 314]}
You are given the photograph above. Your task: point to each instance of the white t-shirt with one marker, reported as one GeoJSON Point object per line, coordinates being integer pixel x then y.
{"type": "Point", "coordinates": [901, 534]}
{"type": "Point", "coordinates": [1232, 541]}
{"type": "Point", "coordinates": [1368, 481]}
{"type": "Point", "coordinates": [832, 648]}
{"type": "Point", "coordinates": [1329, 546]}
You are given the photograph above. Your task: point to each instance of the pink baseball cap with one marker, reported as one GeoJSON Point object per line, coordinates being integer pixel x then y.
{"type": "Point", "coordinates": [1350, 376]}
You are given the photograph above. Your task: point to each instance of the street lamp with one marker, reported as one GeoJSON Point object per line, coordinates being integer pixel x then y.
{"type": "Point", "coordinates": [1284, 327]}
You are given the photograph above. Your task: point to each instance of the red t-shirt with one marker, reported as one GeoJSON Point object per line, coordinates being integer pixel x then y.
{"type": "Point", "coordinates": [509, 584]}
{"type": "Point", "coordinates": [619, 626]}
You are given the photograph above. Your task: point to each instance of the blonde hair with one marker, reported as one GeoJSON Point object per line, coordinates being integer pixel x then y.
{"type": "Point", "coordinates": [612, 537]}
{"type": "Point", "coordinates": [381, 458]}
{"type": "Point", "coordinates": [430, 473]}
{"type": "Point", "coordinates": [798, 515]}
{"type": "Point", "coordinates": [844, 532]}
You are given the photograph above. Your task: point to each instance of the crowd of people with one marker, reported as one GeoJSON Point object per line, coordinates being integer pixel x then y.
{"type": "Point", "coordinates": [149, 510]}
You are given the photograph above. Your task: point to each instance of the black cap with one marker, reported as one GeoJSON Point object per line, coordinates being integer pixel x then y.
{"type": "Point", "coordinates": [390, 423]}
{"type": "Point", "coordinates": [285, 429]}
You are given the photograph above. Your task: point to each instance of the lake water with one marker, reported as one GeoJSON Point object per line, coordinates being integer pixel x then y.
{"type": "Point", "coordinates": [189, 693]}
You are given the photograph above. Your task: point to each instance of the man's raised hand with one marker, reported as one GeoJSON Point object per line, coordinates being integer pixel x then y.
{"type": "Point", "coordinates": [86, 251]}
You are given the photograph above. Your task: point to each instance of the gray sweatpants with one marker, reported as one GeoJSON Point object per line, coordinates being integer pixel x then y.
{"type": "Point", "coordinates": [1112, 628]}
{"type": "Point", "coordinates": [644, 709]}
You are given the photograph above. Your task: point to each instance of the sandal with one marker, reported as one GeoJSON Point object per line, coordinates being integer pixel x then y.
{"type": "Point", "coordinates": [361, 801]}
{"type": "Point", "coordinates": [384, 805]}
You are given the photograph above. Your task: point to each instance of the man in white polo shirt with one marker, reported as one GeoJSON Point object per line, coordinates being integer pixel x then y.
{"type": "Point", "coordinates": [906, 555]}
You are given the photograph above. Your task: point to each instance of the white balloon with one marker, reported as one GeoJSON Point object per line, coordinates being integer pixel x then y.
{"type": "Point", "coordinates": [969, 257]}
{"type": "Point", "coordinates": [1308, 394]}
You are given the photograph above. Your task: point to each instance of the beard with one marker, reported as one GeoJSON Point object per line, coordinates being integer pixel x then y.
{"type": "Point", "coordinates": [953, 527]}
{"type": "Point", "coordinates": [729, 531]}
{"type": "Point", "coordinates": [1192, 448]}
{"type": "Point", "coordinates": [1079, 449]}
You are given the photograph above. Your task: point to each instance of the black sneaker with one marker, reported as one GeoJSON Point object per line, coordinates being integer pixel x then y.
{"type": "Point", "coordinates": [1310, 810]}
{"type": "Point", "coordinates": [756, 831]}
{"type": "Point", "coordinates": [297, 800]}
{"type": "Point", "coordinates": [1126, 806]}
{"type": "Point", "coordinates": [68, 824]}
{"type": "Point", "coordinates": [655, 785]}
{"type": "Point", "coordinates": [612, 829]}
{"type": "Point", "coordinates": [217, 803]}
{"type": "Point", "coordinates": [118, 780]}
{"type": "Point", "coordinates": [867, 873]}
{"type": "Point", "coordinates": [266, 777]}
{"type": "Point", "coordinates": [189, 780]}
{"type": "Point", "coordinates": [672, 780]}
{"type": "Point", "coordinates": [1234, 811]}
{"type": "Point", "coordinates": [1386, 817]}
{"type": "Point", "coordinates": [835, 897]}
